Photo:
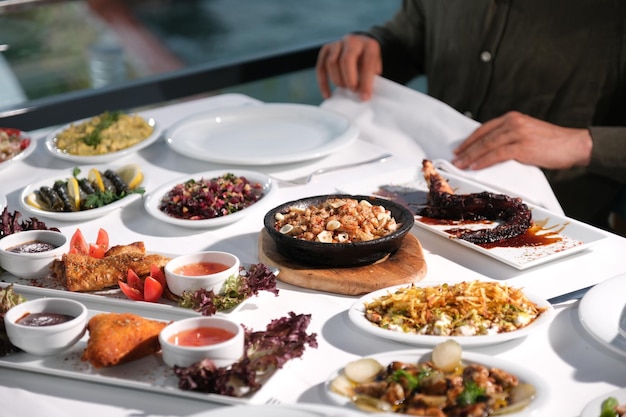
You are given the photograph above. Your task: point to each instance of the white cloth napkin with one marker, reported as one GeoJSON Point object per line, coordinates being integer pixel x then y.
{"type": "Point", "coordinates": [415, 126]}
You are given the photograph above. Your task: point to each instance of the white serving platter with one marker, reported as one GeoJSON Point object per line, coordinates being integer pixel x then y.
{"type": "Point", "coordinates": [574, 236]}
{"type": "Point", "coordinates": [356, 314]}
{"type": "Point", "coordinates": [148, 374]}
{"type": "Point", "coordinates": [104, 158]}
{"type": "Point", "coordinates": [522, 372]}
{"type": "Point", "coordinates": [264, 134]}
{"type": "Point", "coordinates": [600, 311]}
{"type": "Point", "coordinates": [153, 199]}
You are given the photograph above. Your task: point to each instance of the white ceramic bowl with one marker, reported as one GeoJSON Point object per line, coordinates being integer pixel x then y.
{"type": "Point", "coordinates": [33, 264]}
{"type": "Point", "coordinates": [46, 340]}
{"type": "Point", "coordinates": [223, 354]}
{"type": "Point", "coordinates": [179, 283]}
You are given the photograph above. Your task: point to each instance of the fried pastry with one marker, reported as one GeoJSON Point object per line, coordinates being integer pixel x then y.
{"type": "Point", "coordinates": [84, 273]}
{"type": "Point", "coordinates": [118, 338]}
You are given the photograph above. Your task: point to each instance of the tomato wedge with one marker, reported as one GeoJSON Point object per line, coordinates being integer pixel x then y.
{"type": "Point", "coordinates": [152, 290]}
{"type": "Point", "coordinates": [96, 251]}
{"type": "Point", "coordinates": [133, 280]}
{"type": "Point", "coordinates": [130, 292]}
{"type": "Point", "coordinates": [78, 244]}
{"type": "Point", "coordinates": [103, 239]}
{"type": "Point", "coordinates": [149, 289]}
{"type": "Point", "coordinates": [157, 273]}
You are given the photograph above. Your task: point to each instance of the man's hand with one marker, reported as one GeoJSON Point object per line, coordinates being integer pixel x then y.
{"type": "Point", "coordinates": [350, 63]}
{"type": "Point", "coordinates": [526, 140]}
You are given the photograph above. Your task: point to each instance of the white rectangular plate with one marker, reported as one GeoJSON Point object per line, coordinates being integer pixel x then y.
{"type": "Point", "coordinates": [575, 236]}
{"type": "Point", "coordinates": [148, 374]}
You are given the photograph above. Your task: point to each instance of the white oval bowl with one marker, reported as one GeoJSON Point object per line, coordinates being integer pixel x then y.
{"type": "Point", "coordinates": [222, 354]}
{"type": "Point", "coordinates": [46, 340]}
{"type": "Point", "coordinates": [178, 283]}
{"type": "Point", "coordinates": [31, 265]}
{"type": "Point", "coordinates": [51, 145]}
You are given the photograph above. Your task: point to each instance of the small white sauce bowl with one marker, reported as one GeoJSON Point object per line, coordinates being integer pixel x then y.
{"type": "Point", "coordinates": [46, 340]}
{"type": "Point", "coordinates": [178, 283]}
{"type": "Point", "coordinates": [31, 265]}
{"type": "Point", "coordinates": [222, 354]}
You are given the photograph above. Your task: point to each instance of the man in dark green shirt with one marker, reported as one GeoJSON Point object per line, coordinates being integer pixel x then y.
{"type": "Point", "coordinates": [547, 78]}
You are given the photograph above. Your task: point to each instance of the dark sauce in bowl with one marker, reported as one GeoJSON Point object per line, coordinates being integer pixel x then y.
{"type": "Point", "coordinates": [43, 319]}
{"type": "Point", "coordinates": [35, 246]}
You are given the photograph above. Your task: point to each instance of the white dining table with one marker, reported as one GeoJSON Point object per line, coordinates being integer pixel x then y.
{"type": "Point", "coordinates": [574, 366]}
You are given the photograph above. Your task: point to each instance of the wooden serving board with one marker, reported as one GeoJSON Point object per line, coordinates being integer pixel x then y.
{"type": "Point", "coordinates": [405, 266]}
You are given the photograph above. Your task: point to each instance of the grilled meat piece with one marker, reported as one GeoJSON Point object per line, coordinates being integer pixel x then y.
{"type": "Point", "coordinates": [515, 216]}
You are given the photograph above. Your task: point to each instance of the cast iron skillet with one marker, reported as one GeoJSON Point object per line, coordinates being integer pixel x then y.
{"type": "Point", "coordinates": [339, 254]}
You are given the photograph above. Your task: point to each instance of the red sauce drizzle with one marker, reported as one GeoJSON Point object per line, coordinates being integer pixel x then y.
{"type": "Point", "coordinates": [536, 235]}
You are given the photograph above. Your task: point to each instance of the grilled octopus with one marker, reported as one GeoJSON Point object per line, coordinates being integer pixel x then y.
{"type": "Point", "coordinates": [443, 203]}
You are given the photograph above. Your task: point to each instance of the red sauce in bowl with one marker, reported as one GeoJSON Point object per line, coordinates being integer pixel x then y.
{"type": "Point", "coordinates": [201, 336]}
{"type": "Point", "coordinates": [201, 268]}
{"type": "Point", "coordinates": [43, 319]}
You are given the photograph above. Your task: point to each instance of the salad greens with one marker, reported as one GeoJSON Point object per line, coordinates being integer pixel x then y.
{"type": "Point", "coordinates": [11, 223]}
{"type": "Point", "coordinates": [237, 289]}
{"type": "Point", "coordinates": [264, 352]}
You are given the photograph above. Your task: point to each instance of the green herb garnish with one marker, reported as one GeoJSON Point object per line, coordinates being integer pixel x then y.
{"type": "Point", "coordinates": [102, 198]}
{"type": "Point", "coordinates": [408, 379]}
{"type": "Point", "coordinates": [471, 393]}
{"type": "Point", "coordinates": [107, 119]}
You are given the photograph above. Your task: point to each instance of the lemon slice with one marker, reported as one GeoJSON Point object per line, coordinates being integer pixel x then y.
{"type": "Point", "coordinates": [73, 192]}
{"type": "Point", "coordinates": [95, 178]}
{"type": "Point", "coordinates": [34, 200]}
{"type": "Point", "coordinates": [131, 175]}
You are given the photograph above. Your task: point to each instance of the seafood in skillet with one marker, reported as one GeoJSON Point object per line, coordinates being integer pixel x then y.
{"type": "Point", "coordinates": [514, 216]}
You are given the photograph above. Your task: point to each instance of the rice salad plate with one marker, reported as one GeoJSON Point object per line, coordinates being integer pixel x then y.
{"type": "Point", "coordinates": [386, 303]}
{"type": "Point", "coordinates": [103, 138]}
{"type": "Point", "coordinates": [249, 191]}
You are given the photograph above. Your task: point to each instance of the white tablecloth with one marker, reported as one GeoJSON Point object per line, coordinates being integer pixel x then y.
{"type": "Point", "coordinates": [576, 369]}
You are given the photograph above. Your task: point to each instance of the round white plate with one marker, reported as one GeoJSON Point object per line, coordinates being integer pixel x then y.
{"type": "Point", "coordinates": [356, 313]}
{"type": "Point", "coordinates": [74, 215]}
{"type": "Point", "coordinates": [153, 199]}
{"type": "Point", "coordinates": [522, 372]}
{"type": "Point", "coordinates": [263, 134]}
{"type": "Point", "coordinates": [279, 410]}
{"type": "Point", "coordinates": [3, 202]}
{"type": "Point", "coordinates": [22, 155]}
{"type": "Point", "coordinates": [592, 409]}
{"type": "Point", "coordinates": [600, 311]}
{"type": "Point", "coordinates": [97, 159]}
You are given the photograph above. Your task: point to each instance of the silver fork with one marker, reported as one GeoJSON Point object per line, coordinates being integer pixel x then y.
{"type": "Point", "coordinates": [307, 178]}
{"type": "Point", "coordinates": [272, 400]}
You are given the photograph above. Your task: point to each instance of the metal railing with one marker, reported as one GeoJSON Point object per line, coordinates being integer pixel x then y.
{"type": "Point", "coordinates": [66, 108]}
